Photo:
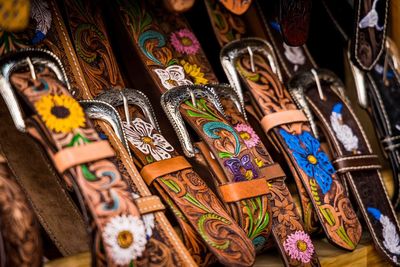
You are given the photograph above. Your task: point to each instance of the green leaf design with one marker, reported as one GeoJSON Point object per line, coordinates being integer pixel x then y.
{"type": "Point", "coordinates": [203, 232]}
{"type": "Point", "coordinates": [224, 155]}
{"type": "Point", "coordinates": [171, 185]}
{"type": "Point", "coordinates": [88, 174]}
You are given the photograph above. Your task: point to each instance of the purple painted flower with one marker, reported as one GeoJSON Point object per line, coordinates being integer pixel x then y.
{"type": "Point", "coordinates": [185, 42]}
{"type": "Point", "coordinates": [299, 246]}
{"type": "Point", "coordinates": [242, 169]}
{"type": "Point", "coordinates": [248, 135]}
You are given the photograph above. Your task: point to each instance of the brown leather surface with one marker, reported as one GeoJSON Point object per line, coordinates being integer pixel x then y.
{"type": "Point", "coordinates": [72, 156]}
{"type": "Point", "coordinates": [54, 208]}
{"type": "Point", "coordinates": [149, 204]}
{"type": "Point", "coordinates": [160, 168]}
{"type": "Point", "coordinates": [232, 192]}
{"type": "Point", "coordinates": [273, 171]}
{"type": "Point", "coordinates": [356, 163]}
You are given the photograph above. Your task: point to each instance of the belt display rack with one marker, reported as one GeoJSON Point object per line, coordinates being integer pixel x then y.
{"type": "Point", "coordinates": [199, 133]}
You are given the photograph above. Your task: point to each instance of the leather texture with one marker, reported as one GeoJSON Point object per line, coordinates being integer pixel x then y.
{"type": "Point", "coordinates": [353, 152]}
{"type": "Point", "coordinates": [270, 121]}
{"type": "Point", "coordinates": [158, 169]}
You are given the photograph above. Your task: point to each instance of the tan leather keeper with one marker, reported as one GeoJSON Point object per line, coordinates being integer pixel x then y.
{"type": "Point", "coordinates": [272, 120]}
{"type": "Point", "coordinates": [357, 163]}
{"type": "Point", "coordinates": [72, 156]}
{"type": "Point", "coordinates": [149, 204]}
{"type": "Point", "coordinates": [160, 168]}
{"type": "Point", "coordinates": [233, 192]}
{"type": "Point", "coordinates": [273, 171]}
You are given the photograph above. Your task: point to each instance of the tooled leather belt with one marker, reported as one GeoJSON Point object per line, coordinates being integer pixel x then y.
{"type": "Point", "coordinates": [290, 130]}
{"type": "Point", "coordinates": [164, 242]}
{"type": "Point", "coordinates": [166, 75]}
{"type": "Point", "coordinates": [199, 213]}
{"type": "Point", "coordinates": [354, 160]}
{"type": "Point", "coordinates": [377, 87]}
{"type": "Point", "coordinates": [198, 70]}
{"type": "Point", "coordinates": [56, 121]}
{"type": "Point", "coordinates": [194, 204]}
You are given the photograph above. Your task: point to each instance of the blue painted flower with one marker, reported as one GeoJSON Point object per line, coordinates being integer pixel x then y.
{"type": "Point", "coordinates": [314, 162]}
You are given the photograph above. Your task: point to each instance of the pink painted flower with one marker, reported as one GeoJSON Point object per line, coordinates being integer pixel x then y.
{"type": "Point", "coordinates": [184, 41]}
{"type": "Point", "coordinates": [248, 135]}
{"type": "Point", "coordinates": [299, 246]}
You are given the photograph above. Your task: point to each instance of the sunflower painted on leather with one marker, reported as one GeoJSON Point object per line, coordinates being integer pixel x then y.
{"type": "Point", "coordinates": [60, 113]}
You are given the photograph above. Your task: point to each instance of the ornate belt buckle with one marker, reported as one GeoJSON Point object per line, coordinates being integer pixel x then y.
{"type": "Point", "coordinates": [232, 51]}
{"type": "Point", "coordinates": [172, 99]}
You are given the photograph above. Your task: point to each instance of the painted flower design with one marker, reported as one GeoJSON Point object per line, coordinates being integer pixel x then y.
{"type": "Point", "coordinates": [283, 210]}
{"type": "Point", "coordinates": [185, 42]}
{"type": "Point", "coordinates": [299, 246]}
{"type": "Point", "coordinates": [172, 76]}
{"type": "Point", "coordinates": [248, 135]}
{"type": "Point", "coordinates": [60, 113]}
{"type": "Point", "coordinates": [140, 134]}
{"type": "Point", "coordinates": [194, 72]}
{"type": "Point", "coordinates": [315, 163]}
{"type": "Point", "coordinates": [242, 169]}
{"type": "Point", "coordinates": [125, 235]}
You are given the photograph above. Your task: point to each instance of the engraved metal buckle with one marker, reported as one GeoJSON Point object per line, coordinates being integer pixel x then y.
{"type": "Point", "coordinates": [28, 58]}
{"type": "Point", "coordinates": [301, 81]}
{"type": "Point", "coordinates": [173, 98]}
{"type": "Point", "coordinates": [232, 51]}
{"type": "Point", "coordinates": [223, 90]}
{"type": "Point", "coordinates": [359, 80]}
{"type": "Point", "coordinates": [101, 110]}
{"type": "Point", "coordinates": [133, 97]}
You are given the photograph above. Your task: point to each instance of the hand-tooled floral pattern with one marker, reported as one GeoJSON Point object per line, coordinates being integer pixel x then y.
{"type": "Point", "coordinates": [299, 246]}
{"type": "Point", "coordinates": [60, 113]}
{"type": "Point", "coordinates": [172, 76]}
{"type": "Point", "coordinates": [125, 236]}
{"type": "Point", "coordinates": [237, 166]}
{"type": "Point", "coordinates": [248, 135]}
{"type": "Point", "coordinates": [283, 211]}
{"type": "Point", "coordinates": [194, 72]}
{"type": "Point", "coordinates": [315, 163]}
{"type": "Point", "coordinates": [185, 42]}
{"type": "Point", "coordinates": [140, 134]}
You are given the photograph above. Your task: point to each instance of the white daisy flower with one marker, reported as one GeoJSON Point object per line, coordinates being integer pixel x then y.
{"type": "Point", "coordinates": [126, 237]}
{"type": "Point", "coordinates": [140, 134]}
{"type": "Point", "coordinates": [172, 76]}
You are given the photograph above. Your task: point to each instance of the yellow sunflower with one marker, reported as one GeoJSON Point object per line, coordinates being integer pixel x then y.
{"type": "Point", "coordinates": [194, 72]}
{"type": "Point", "coordinates": [60, 113]}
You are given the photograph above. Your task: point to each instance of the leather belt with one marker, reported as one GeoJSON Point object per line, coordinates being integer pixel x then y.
{"type": "Point", "coordinates": [353, 156]}
{"type": "Point", "coordinates": [100, 70]}
{"type": "Point", "coordinates": [202, 217]}
{"type": "Point", "coordinates": [190, 65]}
{"type": "Point", "coordinates": [376, 87]}
{"type": "Point", "coordinates": [58, 123]}
{"type": "Point", "coordinates": [309, 164]}
{"type": "Point", "coordinates": [20, 238]}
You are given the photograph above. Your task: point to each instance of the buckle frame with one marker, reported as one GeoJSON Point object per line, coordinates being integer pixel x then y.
{"type": "Point", "coordinates": [173, 98]}
{"type": "Point", "coordinates": [233, 50]}
{"type": "Point", "coordinates": [26, 58]}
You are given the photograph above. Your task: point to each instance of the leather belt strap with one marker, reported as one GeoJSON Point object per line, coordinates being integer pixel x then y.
{"type": "Point", "coordinates": [242, 190]}
{"type": "Point", "coordinates": [71, 156]}
{"type": "Point", "coordinates": [273, 171]}
{"type": "Point", "coordinates": [149, 204]}
{"type": "Point", "coordinates": [356, 163]}
{"type": "Point", "coordinates": [391, 143]}
{"type": "Point", "coordinates": [273, 120]}
{"type": "Point", "coordinates": [160, 168]}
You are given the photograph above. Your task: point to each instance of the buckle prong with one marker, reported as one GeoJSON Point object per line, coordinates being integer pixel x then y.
{"type": "Point", "coordinates": [319, 87]}
{"type": "Point", "coordinates": [126, 109]}
{"type": "Point", "coordinates": [251, 54]}
{"type": "Point", "coordinates": [192, 97]}
{"type": "Point", "coordinates": [31, 68]}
